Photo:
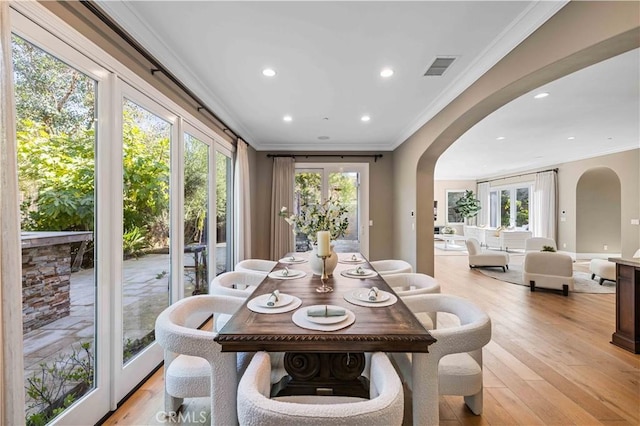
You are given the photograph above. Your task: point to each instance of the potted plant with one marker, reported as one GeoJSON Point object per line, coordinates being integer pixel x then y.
{"type": "Point", "coordinates": [468, 206]}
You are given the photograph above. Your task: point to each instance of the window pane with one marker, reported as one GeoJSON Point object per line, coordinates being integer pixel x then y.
{"type": "Point", "coordinates": [307, 191]}
{"type": "Point", "coordinates": [505, 207]}
{"type": "Point", "coordinates": [196, 208]}
{"type": "Point", "coordinates": [452, 199]}
{"type": "Point", "coordinates": [522, 207]}
{"type": "Point", "coordinates": [55, 106]}
{"type": "Point", "coordinates": [145, 243]}
{"type": "Point", "coordinates": [223, 213]}
{"type": "Point", "coordinates": [344, 186]}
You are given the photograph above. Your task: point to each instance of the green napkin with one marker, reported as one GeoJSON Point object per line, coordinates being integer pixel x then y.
{"type": "Point", "coordinates": [325, 311]}
{"type": "Point", "coordinates": [373, 294]}
{"type": "Point", "coordinates": [273, 298]}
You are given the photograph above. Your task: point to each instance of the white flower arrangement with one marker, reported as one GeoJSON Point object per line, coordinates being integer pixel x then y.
{"type": "Point", "coordinates": [329, 216]}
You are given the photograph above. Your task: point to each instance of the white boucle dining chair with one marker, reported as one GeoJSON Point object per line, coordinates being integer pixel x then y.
{"type": "Point", "coordinates": [256, 407]}
{"type": "Point", "coordinates": [410, 284]}
{"type": "Point", "coordinates": [391, 266]}
{"type": "Point", "coordinates": [192, 358]}
{"type": "Point", "coordinates": [237, 284]}
{"type": "Point", "coordinates": [256, 265]}
{"type": "Point", "coordinates": [453, 365]}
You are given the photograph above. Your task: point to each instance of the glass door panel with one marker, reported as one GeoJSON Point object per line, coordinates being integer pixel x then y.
{"type": "Point", "coordinates": [307, 192]}
{"type": "Point", "coordinates": [344, 187]}
{"type": "Point", "coordinates": [224, 178]}
{"type": "Point", "coordinates": [196, 215]}
{"type": "Point", "coordinates": [56, 137]}
{"type": "Point", "coordinates": [522, 207]}
{"type": "Point", "coordinates": [146, 266]}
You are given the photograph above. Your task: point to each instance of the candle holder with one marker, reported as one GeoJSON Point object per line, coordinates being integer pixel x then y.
{"type": "Point", "coordinates": [324, 278]}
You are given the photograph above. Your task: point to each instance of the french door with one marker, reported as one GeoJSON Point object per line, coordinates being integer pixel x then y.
{"type": "Point", "coordinates": [347, 182]}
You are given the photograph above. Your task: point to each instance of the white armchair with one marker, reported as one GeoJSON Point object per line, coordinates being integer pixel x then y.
{"type": "Point", "coordinates": [236, 284]}
{"type": "Point", "coordinates": [453, 365]}
{"type": "Point", "coordinates": [256, 265]}
{"type": "Point", "coordinates": [410, 284]}
{"type": "Point", "coordinates": [479, 258]}
{"type": "Point", "coordinates": [257, 408]}
{"type": "Point", "coordinates": [391, 266]}
{"type": "Point", "coordinates": [548, 270]}
{"type": "Point", "coordinates": [537, 243]}
{"type": "Point", "coordinates": [192, 358]}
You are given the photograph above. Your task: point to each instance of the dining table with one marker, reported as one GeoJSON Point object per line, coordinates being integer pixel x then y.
{"type": "Point", "coordinates": [325, 335]}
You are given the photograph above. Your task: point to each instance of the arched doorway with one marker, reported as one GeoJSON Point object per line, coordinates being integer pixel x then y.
{"type": "Point", "coordinates": [598, 213]}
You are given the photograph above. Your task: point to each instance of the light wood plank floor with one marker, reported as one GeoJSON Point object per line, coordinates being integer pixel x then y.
{"type": "Point", "coordinates": [549, 362]}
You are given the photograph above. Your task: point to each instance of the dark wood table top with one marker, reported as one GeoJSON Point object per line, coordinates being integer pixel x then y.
{"type": "Point", "coordinates": [389, 329]}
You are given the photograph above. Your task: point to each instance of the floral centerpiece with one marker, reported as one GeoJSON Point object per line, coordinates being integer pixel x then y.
{"type": "Point", "coordinates": [329, 216]}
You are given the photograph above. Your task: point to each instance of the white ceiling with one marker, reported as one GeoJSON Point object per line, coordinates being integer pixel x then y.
{"type": "Point", "coordinates": [328, 56]}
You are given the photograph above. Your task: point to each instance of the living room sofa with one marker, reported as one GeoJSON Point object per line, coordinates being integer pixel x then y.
{"type": "Point", "coordinates": [502, 239]}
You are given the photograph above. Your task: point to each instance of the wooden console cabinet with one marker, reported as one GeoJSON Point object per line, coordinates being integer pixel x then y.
{"type": "Point", "coordinates": [627, 334]}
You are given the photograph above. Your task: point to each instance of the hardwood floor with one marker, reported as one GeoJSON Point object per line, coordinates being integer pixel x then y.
{"type": "Point", "coordinates": [549, 361]}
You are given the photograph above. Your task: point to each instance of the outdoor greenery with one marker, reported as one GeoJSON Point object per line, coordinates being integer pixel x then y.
{"type": "Point", "coordinates": [58, 384]}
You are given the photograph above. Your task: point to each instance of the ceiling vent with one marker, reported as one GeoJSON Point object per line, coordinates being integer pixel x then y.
{"type": "Point", "coordinates": [439, 66]}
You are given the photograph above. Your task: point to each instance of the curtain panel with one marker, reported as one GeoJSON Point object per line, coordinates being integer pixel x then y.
{"type": "Point", "coordinates": [544, 220]}
{"type": "Point", "coordinates": [282, 239]}
{"type": "Point", "coordinates": [243, 203]}
{"type": "Point", "coordinates": [11, 357]}
{"type": "Point", "coordinates": [484, 189]}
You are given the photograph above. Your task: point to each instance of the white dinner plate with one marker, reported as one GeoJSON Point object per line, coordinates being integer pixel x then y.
{"type": "Point", "coordinates": [352, 260]}
{"type": "Point", "coordinates": [365, 273]}
{"type": "Point", "coordinates": [283, 300]}
{"type": "Point", "coordinates": [293, 273]}
{"type": "Point", "coordinates": [363, 294]}
{"type": "Point", "coordinates": [292, 259]}
{"type": "Point", "coordinates": [326, 320]}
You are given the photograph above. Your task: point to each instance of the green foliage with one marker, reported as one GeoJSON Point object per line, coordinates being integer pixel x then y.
{"type": "Point", "coordinates": [59, 384]}
{"type": "Point", "coordinates": [133, 242]}
{"type": "Point", "coordinates": [196, 188]}
{"type": "Point", "coordinates": [468, 206]}
{"type": "Point", "coordinates": [548, 248]}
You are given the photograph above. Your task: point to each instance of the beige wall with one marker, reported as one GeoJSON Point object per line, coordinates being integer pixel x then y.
{"type": "Point", "coordinates": [579, 35]}
{"type": "Point", "coordinates": [626, 166]}
{"type": "Point", "coordinates": [381, 200]}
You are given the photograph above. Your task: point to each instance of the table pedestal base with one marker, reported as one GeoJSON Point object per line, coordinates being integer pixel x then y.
{"type": "Point", "coordinates": [326, 374]}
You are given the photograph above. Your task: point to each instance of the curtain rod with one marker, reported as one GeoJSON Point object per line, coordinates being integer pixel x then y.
{"type": "Point", "coordinates": [156, 64]}
{"type": "Point", "coordinates": [515, 176]}
{"type": "Point", "coordinates": [375, 156]}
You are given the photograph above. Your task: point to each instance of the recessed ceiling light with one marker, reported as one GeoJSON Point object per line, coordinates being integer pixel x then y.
{"type": "Point", "coordinates": [365, 118]}
{"type": "Point", "coordinates": [268, 72]}
{"type": "Point", "coordinates": [387, 72]}
{"type": "Point", "coordinates": [500, 138]}
{"type": "Point", "coordinates": [541, 95]}
{"type": "Point", "coordinates": [287, 118]}
{"type": "Point", "coordinates": [571, 138]}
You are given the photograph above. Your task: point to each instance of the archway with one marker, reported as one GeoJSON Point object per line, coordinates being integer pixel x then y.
{"type": "Point", "coordinates": [598, 213]}
{"type": "Point", "coordinates": [546, 55]}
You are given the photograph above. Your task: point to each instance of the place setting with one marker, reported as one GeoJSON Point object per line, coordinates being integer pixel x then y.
{"type": "Point", "coordinates": [323, 317]}
{"type": "Point", "coordinates": [274, 303]}
{"type": "Point", "coordinates": [370, 297]}
{"type": "Point", "coordinates": [359, 272]}
{"type": "Point", "coordinates": [287, 274]}
{"type": "Point", "coordinates": [353, 259]}
{"type": "Point", "coordinates": [292, 260]}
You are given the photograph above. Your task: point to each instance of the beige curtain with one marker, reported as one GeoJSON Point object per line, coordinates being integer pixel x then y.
{"type": "Point", "coordinates": [243, 203]}
{"type": "Point", "coordinates": [11, 361]}
{"type": "Point", "coordinates": [544, 217]}
{"type": "Point", "coordinates": [284, 170]}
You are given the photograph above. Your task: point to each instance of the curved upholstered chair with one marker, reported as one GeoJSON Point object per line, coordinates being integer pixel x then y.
{"type": "Point", "coordinates": [453, 365]}
{"type": "Point", "coordinates": [479, 258]}
{"type": "Point", "coordinates": [192, 357]}
{"type": "Point", "coordinates": [236, 284]}
{"type": "Point", "coordinates": [409, 284]}
{"type": "Point", "coordinates": [256, 265]}
{"type": "Point", "coordinates": [391, 266]}
{"type": "Point", "coordinates": [257, 408]}
{"type": "Point", "coordinates": [548, 270]}
{"type": "Point", "coordinates": [536, 244]}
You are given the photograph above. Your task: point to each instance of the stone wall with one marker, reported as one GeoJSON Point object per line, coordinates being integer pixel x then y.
{"type": "Point", "coordinates": [46, 273]}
